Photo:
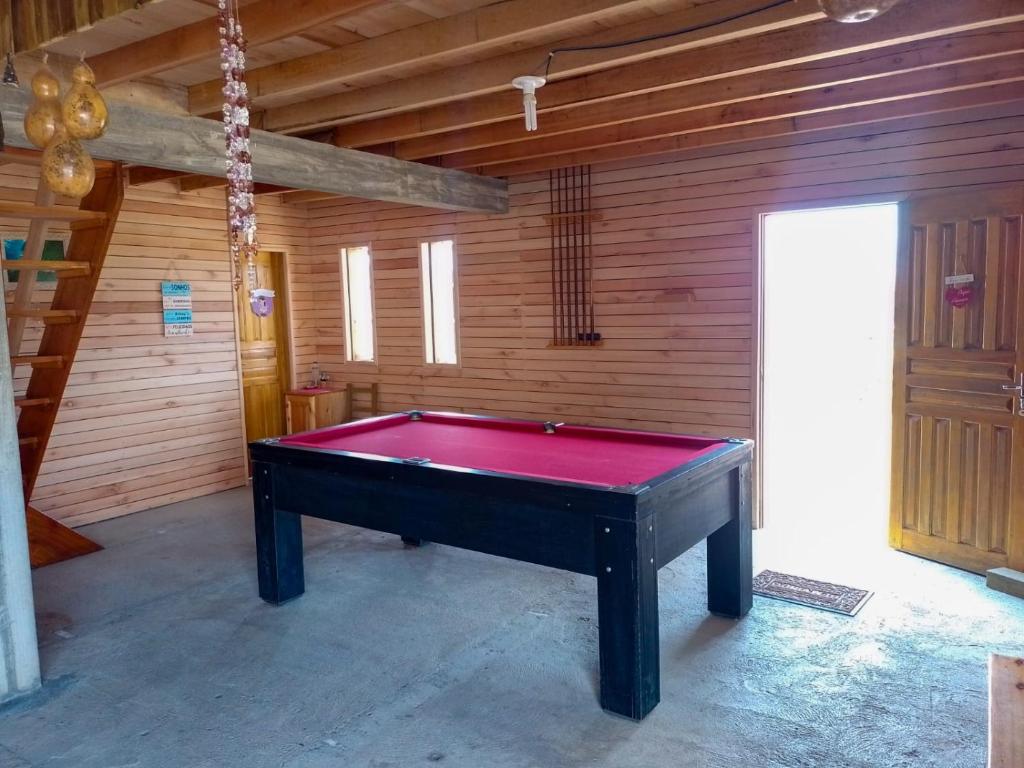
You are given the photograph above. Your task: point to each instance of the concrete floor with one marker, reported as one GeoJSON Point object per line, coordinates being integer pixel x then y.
{"type": "Point", "coordinates": [158, 653]}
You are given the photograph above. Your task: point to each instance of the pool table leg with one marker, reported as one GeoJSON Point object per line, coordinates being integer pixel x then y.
{"type": "Point", "coordinates": [278, 542]}
{"type": "Point", "coordinates": [627, 609]}
{"type": "Point", "coordinates": [730, 561]}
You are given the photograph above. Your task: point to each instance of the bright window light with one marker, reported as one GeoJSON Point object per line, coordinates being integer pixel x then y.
{"type": "Point", "coordinates": [357, 293]}
{"type": "Point", "coordinates": [437, 266]}
{"type": "Point", "coordinates": [828, 307]}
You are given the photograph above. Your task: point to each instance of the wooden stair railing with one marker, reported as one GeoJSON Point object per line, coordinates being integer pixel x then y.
{"type": "Point", "coordinates": [92, 226]}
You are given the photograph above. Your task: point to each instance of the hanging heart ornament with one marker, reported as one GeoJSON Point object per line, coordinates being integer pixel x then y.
{"type": "Point", "coordinates": [959, 290]}
{"type": "Point", "coordinates": [959, 295]}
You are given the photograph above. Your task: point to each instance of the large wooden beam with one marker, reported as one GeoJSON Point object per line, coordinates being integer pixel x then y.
{"type": "Point", "coordinates": [496, 74]}
{"type": "Point", "coordinates": [898, 66]}
{"type": "Point", "coordinates": [264, 22]}
{"type": "Point", "coordinates": [899, 109]}
{"type": "Point", "coordinates": [196, 145]}
{"type": "Point", "coordinates": [754, 56]}
{"type": "Point", "coordinates": [473, 34]}
{"type": "Point", "coordinates": [954, 77]}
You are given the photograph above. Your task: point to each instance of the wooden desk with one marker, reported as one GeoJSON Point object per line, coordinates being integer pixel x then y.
{"type": "Point", "coordinates": [310, 408]}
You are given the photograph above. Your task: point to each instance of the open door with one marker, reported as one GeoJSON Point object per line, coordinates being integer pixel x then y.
{"type": "Point", "coordinates": [958, 412]}
{"type": "Point", "coordinates": [263, 347]}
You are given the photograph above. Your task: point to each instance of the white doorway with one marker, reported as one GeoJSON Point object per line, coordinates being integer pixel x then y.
{"type": "Point", "coordinates": [828, 288]}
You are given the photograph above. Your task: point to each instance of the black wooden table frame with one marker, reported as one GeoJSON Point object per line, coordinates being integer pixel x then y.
{"type": "Point", "coordinates": [621, 535]}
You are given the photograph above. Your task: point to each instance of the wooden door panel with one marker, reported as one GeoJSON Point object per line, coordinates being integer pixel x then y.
{"type": "Point", "coordinates": [263, 354]}
{"type": "Point", "coordinates": [958, 446]}
{"type": "Point", "coordinates": [956, 490]}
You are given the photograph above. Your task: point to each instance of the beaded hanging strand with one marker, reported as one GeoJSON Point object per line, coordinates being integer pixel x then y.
{"type": "Point", "coordinates": [238, 164]}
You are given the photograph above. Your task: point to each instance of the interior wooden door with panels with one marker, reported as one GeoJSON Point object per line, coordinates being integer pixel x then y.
{"type": "Point", "coordinates": [958, 411]}
{"type": "Point", "coordinates": [263, 348]}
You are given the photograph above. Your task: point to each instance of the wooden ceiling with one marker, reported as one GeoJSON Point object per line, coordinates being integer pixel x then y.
{"type": "Point", "coordinates": [430, 80]}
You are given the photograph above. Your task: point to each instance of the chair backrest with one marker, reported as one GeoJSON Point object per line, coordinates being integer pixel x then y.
{"type": "Point", "coordinates": [368, 397]}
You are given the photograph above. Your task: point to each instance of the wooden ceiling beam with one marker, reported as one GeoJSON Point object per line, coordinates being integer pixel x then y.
{"type": "Point", "coordinates": [1008, 69]}
{"type": "Point", "coordinates": [264, 21]}
{"type": "Point", "coordinates": [195, 145]}
{"type": "Point", "coordinates": [34, 23]}
{"type": "Point", "coordinates": [496, 74]}
{"type": "Point", "coordinates": [886, 63]}
{"type": "Point", "coordinates": [785, 48]}
{"type": "Point", "coordinates": [900, 109]}
{"type": "Point", "coordinates": [475, 33]}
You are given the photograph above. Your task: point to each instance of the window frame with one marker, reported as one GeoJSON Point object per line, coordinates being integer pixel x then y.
{"type": "Point", "coordinates": [457, 342]}
{"type": "Point", "coordinates": [346, 302]}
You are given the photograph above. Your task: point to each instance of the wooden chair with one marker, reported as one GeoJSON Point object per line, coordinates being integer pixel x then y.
{"type": "Point", "coordinates": [369, 390]}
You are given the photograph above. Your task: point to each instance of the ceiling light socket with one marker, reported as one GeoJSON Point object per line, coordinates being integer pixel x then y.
{"type": "Point", "coordinates": [529, 84]}
{"type": "Point", "coordinates": [855, 11]}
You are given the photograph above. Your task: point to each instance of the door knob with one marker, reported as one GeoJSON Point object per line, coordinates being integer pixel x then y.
{"type": "Point", "coordinates": [1019, 389]}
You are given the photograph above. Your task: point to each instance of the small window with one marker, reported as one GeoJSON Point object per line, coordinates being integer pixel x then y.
{"type": "Point", "coordinates": [357, 290]}
{"type": "Point", "coordinates": [437, 264]}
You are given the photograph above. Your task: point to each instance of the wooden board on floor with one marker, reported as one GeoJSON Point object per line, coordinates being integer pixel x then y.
{"type": "Point", "coordinates": [1006, 712]}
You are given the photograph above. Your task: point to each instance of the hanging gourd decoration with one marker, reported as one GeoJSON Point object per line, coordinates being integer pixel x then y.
{"type": "Point", "coordinates": [66, 167]}
{"type": "Point", "coordinates": [85, 111]}
{"type": "Point", "coordinates": [44, 113]}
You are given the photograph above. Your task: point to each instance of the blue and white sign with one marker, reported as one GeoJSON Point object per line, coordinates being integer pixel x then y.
{"type": "Point", "coordinates": [177, 304]}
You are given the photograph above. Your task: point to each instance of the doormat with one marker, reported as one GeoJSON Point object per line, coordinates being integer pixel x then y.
{"type": "Point", "coordinates": [815, 594]}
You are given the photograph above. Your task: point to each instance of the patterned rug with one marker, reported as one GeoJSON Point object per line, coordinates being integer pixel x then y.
{"type": "Point", "coordinates": [816, 594]}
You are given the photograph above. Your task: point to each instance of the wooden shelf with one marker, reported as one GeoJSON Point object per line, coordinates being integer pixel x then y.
{"type": "Point", "coordinates": [32, 402]}
{"type": "Point", "coordinates": [48, 316]}
{"type": "Point", "coordinates": [79, 268]}
{"type": "Point", "coordinates": [39, 361]}
{"type": "Point", "coordinates": [50, 212]}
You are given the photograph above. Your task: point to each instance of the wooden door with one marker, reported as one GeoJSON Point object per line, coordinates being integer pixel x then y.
{"type": "Point", "coordinates": [263, 347]}
{"type": "Point", "coordinates": [958, 436]}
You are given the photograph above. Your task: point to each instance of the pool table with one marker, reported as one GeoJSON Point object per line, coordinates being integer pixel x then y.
{"type": "Point", "coordinates": [610, 503]}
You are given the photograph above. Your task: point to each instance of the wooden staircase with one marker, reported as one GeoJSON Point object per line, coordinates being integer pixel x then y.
{"type": "Point", "coordinates": [91, 225]}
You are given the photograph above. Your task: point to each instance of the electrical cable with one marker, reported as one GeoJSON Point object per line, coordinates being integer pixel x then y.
{"type": "Point", "coordinates": [659, 36]}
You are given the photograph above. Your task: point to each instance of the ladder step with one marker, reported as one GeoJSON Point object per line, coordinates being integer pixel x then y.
{"type": "Point", "coordinates": [32, 402]}
{"type": "Point", "coordinates": [27, 441]}
{"type": "Point", "coordinates": [49, 212]}
{"type": "Point", "coordinates": [48, 316]}
{"type": "Point", "coordinates": [62, 268]}
{"type": "Point", "coordinates": [39, 361]}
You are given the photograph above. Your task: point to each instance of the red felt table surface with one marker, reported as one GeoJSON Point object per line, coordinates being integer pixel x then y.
{"type": "Point", "coordinates": [596, 456]}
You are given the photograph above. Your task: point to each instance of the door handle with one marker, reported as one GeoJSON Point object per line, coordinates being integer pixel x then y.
{"type": "Point", "coordinates": [1019, 389]}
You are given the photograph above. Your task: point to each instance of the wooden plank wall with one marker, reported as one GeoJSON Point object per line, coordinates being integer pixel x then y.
{"type": "Point", "coordinates": [146, 420]}
{"type": "Point", "coordinates": [674, 271]}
